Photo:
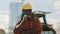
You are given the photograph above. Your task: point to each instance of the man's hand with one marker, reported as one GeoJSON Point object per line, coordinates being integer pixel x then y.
{"type": "Point", "coordinates": [25, 18]}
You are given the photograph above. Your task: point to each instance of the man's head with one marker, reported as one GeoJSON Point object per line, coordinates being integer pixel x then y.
{"type": "Point", "coordinates": [27, 9]}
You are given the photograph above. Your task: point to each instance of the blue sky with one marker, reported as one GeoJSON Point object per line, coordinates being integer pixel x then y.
{"type": "Point", "coordinates": [52, 6]}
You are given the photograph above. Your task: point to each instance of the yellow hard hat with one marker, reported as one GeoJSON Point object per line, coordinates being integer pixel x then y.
{"type": "Point", "coordinates": [27, 6]}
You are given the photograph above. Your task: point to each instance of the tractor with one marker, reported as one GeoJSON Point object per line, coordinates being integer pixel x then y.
{"type": "Point", "coordinates": [46, 28]}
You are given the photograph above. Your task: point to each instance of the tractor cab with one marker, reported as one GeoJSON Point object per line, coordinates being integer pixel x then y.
{"type": "Point", "coordinates": [42, 17]}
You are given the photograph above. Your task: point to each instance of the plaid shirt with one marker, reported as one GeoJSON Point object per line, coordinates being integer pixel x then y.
{"type": "Point", "coordinates": [29, 25]}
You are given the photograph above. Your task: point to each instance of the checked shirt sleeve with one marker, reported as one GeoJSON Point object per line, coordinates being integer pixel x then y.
{"type": "Point", "coordinates": [38, 26]}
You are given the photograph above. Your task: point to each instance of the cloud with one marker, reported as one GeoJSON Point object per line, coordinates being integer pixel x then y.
{"type": "Point", "coordinates": [4, 19]}
{"type": "Point", "coordinates": [57, 6]}
{"type": "Point", "coordinates": [4, 15]}
{"type": "Point", "coordinates": [57, 12]}
{"type": "Point", "coordinates": [4, 12]}
{"type": "Point", "coordinates": [53, 21]}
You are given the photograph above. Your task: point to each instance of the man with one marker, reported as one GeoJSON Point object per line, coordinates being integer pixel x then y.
{"type": "Point", "coordinates": [28, 23]}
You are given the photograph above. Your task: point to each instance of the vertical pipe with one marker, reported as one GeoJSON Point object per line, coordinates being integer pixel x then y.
{"type": "Point", "coordinates": [44, 18]}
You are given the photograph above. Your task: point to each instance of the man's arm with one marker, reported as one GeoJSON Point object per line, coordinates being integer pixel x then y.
{"type": "Point", "coordinates": [19, 24]}
{"type": "Point", "coordinates": [24, 19]}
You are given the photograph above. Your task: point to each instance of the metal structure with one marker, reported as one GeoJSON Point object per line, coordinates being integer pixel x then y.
{"type": "Point", "coordinates": [14, 14]}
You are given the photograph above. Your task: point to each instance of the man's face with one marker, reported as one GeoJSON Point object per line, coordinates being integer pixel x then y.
{"type": "Point", "coordinates": [27, 12]}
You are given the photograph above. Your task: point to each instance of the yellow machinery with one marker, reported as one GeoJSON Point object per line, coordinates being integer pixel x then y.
{"type": "Point", "coordinates": [46, 27]}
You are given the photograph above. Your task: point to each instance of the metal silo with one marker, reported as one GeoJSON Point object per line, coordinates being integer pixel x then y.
{"type": "Point", "coordinates": [14, 14]}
